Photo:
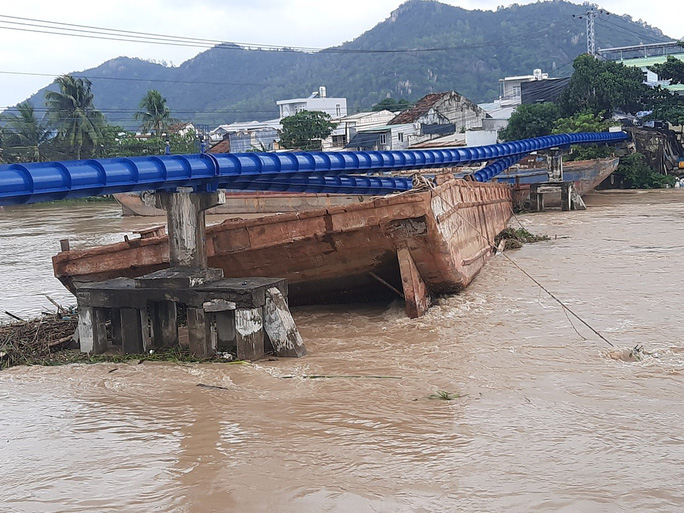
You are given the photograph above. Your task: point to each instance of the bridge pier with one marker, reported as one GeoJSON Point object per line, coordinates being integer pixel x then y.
{"type": "Point", "coordinates": [234, 315]}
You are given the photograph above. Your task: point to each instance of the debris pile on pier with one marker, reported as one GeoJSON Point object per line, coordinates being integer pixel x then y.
{"type": "Point", "coordinates": [36, 340]}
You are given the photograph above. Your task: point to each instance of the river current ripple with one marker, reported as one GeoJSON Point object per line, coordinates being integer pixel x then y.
{"type": "Point", "coordinates": [549, 418]}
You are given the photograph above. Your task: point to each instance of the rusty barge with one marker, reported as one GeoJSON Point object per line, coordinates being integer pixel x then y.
{"type": "Point", "coordinates": [415, 244]}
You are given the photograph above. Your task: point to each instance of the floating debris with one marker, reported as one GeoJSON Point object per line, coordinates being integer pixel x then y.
{"type": "Point", "coordinates": [36, 340]}
{"type": "Point", "coordinates": [443, 395]}
{"type": "Point", "coordinates": [634, 354]}
{"type": "Point", "coordinates": [515, 238]}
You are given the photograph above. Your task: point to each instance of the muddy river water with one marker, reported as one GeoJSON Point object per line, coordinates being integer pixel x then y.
{"type": "Point", "coordinates": [548, 418]}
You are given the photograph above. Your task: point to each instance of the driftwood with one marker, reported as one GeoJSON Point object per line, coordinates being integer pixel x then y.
{"type": "Point", "coordinates": [33, 341]}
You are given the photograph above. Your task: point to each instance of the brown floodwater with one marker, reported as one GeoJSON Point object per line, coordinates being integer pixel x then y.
{"type": "Point", "coordinates": [549, 418]}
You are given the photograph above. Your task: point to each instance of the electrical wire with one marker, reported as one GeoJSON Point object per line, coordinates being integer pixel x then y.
{"type": "Point", "coordinates": [91, 32]}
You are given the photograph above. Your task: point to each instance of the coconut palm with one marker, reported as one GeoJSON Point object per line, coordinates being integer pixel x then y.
{"type": "Point", "coordinates": [25, 134]}
{"type": "Point", "coordinates": [154, 113]}
{"type": "Point", "coordinates": [79, 124]}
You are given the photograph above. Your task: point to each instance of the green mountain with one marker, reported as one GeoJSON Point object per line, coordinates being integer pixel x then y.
{"type": "Point", "coordinates": [424, 46]}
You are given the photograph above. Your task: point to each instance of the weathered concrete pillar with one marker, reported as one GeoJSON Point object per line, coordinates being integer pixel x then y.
{"type": "Point", "coordinates": [131, 331]}
{"type": "Point", "coordinates": [146, 330]}
{"type": "Point", "coordinates": [249, 336]}
{"type": "Point", "coordinates": [536, 199]}
{"type": "Point", "coordinates": [115, 316]}
{"type": "Point", "coordinates": [555, 163]}
{"type": "Point", "coordinates": [222, 313]}
{"type": "Point", "coordinates": [164, 324]}
{"type": "Point", "coordinates": [185, 215]}
{"type": "Point", "coordinates": [280, 326]}
{"type": "Point", "coordinates": [92, 335]}
{"type": "Point", "coordinates": [202, 344]}
{"type": "Point", "coordinates": [566, 196]}
{"type": "Point", "coordinates": [225, 331]}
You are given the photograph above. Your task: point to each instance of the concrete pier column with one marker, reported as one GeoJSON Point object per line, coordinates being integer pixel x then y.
{"type": "Point", "coordinates": [185, 215]}
{"type": "Point", "coordinates": [131, 331]}
{"type": "Point", "coordinates": [164, 324]}
{"type": "Point", "coordinates": [92, 335]}
{"type": "Point", "coordinates": [249, 336]}
{"type": "Point", "coordinates": [280, 326]}
{"type": "Point", "coordinates": [202, 343]}
{"type": "Point", "coordinates": [555, 163]}
{"type": "Point", "coordinates": [115, 316]}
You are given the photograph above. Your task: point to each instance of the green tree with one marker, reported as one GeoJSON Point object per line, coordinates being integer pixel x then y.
{"type": "Point", "coordinates": [665, 105]}
{"type": "Point", "coordinates": [154, 113]}
{"type": "Point", "coordinates": [305, 130]}
{"type": "Point", "coordinates": [531, 120]}
{"type": "Point", "coordinates": [584, 122]}
{"type": "Point", "coordinates": [672, 70]}
{"type": "Point", "coordinates": [24, 135]}
{"type": "Point", "coordinates": [602, 86]}
{"type": "Point", "coordinates": [392, 105]}
{"type": "Point", "coordinates": [79, 124]}
{"type": "Point", "coordinates": [119, 143]}
{"type": "Point", "coordinates": [638, 174]}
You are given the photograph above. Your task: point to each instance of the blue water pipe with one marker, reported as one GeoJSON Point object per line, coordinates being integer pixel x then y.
{"type": "Point", "coordinates": [301, 171]}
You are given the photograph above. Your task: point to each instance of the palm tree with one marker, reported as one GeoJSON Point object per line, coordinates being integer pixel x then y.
{"type": "Point", "coordinates": [154, 113]}
{"type": "Point", "coordinates": [25, 133]}
{"type": "Point", "coordinates": [78, 122]}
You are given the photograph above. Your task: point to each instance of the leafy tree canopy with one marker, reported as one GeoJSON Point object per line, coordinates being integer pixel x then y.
{"type": "Point", "coordinates": [584, 122]}
{"type": "Point", "coordinates": [392, 105]}
{"type": "Point", "coordinates": [639, 175]}
{"type": "Point", "coordinates": [531, 120]}
{"type": "Point", "coordinates": [602, 86]}
{"type": "Point", "coordinates": [305, 130]}
{"type": "Point", "coordinates": [78, 123]}
{"type": "Point", "coordinates": [119, 143]}
{"type": "Point", "coordinates": [154, 113]}
{"type": "Point", "coordinates": [24, 135]}
{"type": "Point", "coordinates": [672, 70]}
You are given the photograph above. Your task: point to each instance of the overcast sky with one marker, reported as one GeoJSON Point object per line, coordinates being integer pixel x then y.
{"type": "Point", "coordinates": [300, 23]}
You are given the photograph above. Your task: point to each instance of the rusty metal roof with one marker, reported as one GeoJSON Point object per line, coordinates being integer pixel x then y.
{"type": "Point", "coordinates": [421, 107]}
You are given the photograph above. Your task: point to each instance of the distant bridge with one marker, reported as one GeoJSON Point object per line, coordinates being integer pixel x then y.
{"type": "Point", "coordinates": [345, 172]}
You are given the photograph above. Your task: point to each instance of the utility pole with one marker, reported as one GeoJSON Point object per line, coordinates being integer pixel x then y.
{"type": "Point", "coordinates": [591, 38]}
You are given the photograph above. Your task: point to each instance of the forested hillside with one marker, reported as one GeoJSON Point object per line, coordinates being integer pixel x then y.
{"type": "Point", "coordinates": [422, 47]}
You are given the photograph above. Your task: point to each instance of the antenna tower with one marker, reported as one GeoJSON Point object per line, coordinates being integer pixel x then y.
{"type": "Point", "coordinates": [591, 38]}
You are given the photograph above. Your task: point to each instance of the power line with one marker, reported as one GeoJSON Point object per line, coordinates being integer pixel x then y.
{"type": "Point", "coordinates": [624, 30]}
{"type": "Point", "coordinates": [147, 80]}
{"type": "Point", "coordinates": [84, 31]}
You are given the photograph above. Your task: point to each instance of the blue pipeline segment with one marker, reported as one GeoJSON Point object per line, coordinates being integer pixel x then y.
{"type": "Point", "coordinates": [48, 181]}
{"type": "Point", "coordinates": [366, 185]}
{"type": "Point", "coordinates": [491, 170]}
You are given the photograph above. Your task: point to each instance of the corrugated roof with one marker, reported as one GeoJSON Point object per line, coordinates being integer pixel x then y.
{"type": "Point", "coordinates": [421, 107]}
{"type": "Point", "coordinates": [438, 128]}
{"type": "Point", "coordinates": [364, 140]}
{"type": "Point", "coordinates": [220, 147]}
{"type": "Point", "coordinates": [650, 61]}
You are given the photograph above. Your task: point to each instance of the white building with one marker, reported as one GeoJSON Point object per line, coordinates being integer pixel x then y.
{"type": "Point", "coordinates": [510, 92]}
{"type": "Point", "coordinates": [384, 138]}
{"type": "Point", "coordinates": [350, 125]}
{"type": "Point", "coordinates": [218, 133]}
{"type": "Point", "coordinates": [318, 101]}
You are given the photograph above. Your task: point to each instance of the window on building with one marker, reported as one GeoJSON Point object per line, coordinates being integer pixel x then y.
{"type": "Point", "coordinates": [383, 138]}
{"type": "Point", "coordinates": [400, 136]}
{"type": "Point", "coordinates": [338, 110]}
